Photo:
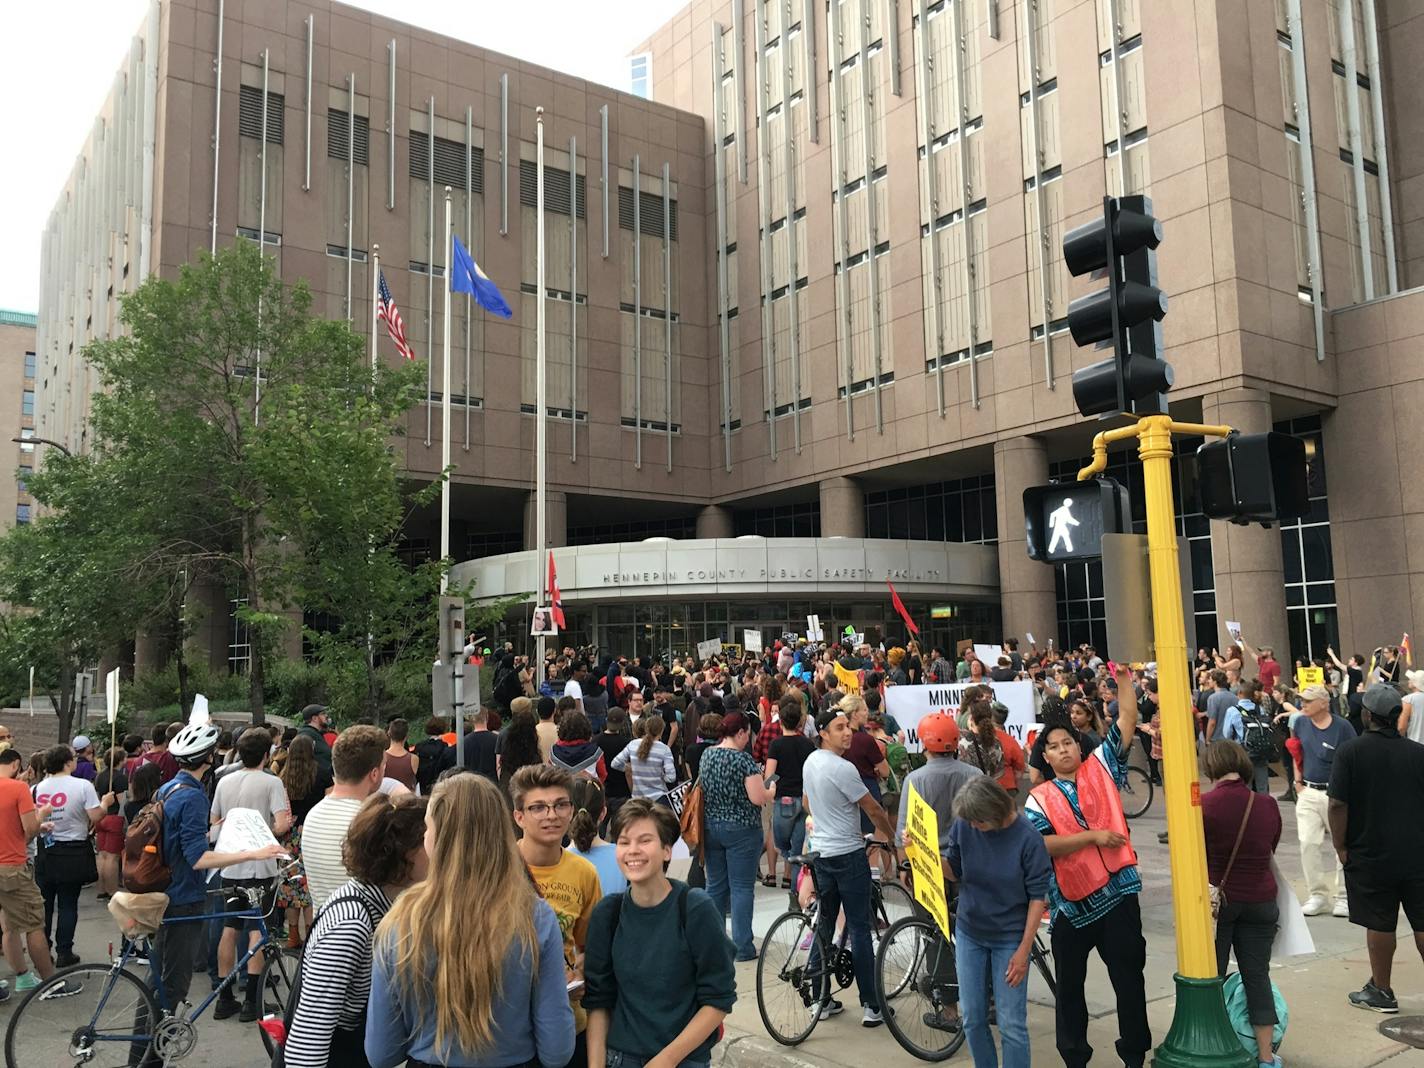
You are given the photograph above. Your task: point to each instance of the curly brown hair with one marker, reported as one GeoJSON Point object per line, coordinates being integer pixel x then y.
{"type": "Point", "coordinates": [381, 838]}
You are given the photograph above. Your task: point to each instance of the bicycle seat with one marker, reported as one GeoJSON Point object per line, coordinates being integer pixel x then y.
{"type": "Point", "coordinates": [806, 858]}
{"type": "Point", "coordinates": [138, 914]}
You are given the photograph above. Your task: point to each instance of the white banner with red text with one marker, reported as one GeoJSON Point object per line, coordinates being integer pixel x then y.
{"type": "Point", "coordinates": [910, 704]}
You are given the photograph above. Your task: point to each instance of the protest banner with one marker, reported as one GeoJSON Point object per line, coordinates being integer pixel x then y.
{"type": "Point", "coordinates": [910, 704]}
{"type": "Point", "coordinates": [1311, 676]}
{"type": "Point", "coordinates": [708, 649]}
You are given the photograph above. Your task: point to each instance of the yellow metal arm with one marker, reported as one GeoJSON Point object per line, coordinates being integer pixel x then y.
{"type": "Point", "coordinates": [1102, 440]}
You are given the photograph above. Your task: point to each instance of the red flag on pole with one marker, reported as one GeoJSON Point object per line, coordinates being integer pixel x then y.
{"type": "Point", "coordinates": [900, 607]}
{"type": "Point", "coordinates": [556, 602]}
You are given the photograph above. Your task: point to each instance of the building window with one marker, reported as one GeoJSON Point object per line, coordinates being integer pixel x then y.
{"type": "Point", "coordinates": [22, 481]}
{"type": "Point", "coordinates": [679, 528]}
{"type": "Point", "coordinates": [959, 510]}
{"type": "Point", "coordinates": [782, 521]}
{"type": "Point", "coordinates": [22, 514]}
{"type": "Point", "coordinates": [640, 75]}
{"type": "Point", "coordinates": [27, 445]}
{"type": "Point", "coordinates": [1308, 560]}
{"type": "Point", "coordinates": [29, 365]}
{"type": "Point", "coordinates": [493, 543]}
{"type": "Point", "coordinates": [239, 642]}
{"type": "Point", "coordinates": [1082, 616]}
{"type": "Point", "coordinates": [27, 402]}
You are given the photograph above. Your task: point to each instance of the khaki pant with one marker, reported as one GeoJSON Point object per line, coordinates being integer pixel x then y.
{"type": "Point", "coordinates": [1312, 825]}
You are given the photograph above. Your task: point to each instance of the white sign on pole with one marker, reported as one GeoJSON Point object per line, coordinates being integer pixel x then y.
{"type": "Point", "coordinates": [751, 641]}
{"type": "Point", "coordinates": [708, 649]}
{"type": "Point", "coordinates": [111, 694]}
{"type": "Point", "coordinates": [1234, 629]}
{"type": "Point", "coordinates": [989, 654]}
{"type": "Point", "coordinates": [910, 704]}
{"type": "Point", "coordinates": [199, 715]}
{"type": "Point", "coordinates": [1029, 635]}
{"type": "Point", "coordinates": [32, 689]}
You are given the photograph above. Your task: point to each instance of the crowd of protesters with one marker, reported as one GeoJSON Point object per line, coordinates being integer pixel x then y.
{"type": "Point", "coordinates": [562, 797]}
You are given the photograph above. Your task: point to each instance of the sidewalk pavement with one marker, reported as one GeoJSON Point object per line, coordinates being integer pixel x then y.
{"type": "Point", "coordinates": [1325, 1031]}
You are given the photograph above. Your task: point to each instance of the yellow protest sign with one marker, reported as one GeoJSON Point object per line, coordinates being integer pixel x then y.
{"type": "Point", "coordinates": [922, 849]}
{"type": "Point", "coordinates": [847, 681]}
{"type": "Point", "coordinates": [1311, 676]}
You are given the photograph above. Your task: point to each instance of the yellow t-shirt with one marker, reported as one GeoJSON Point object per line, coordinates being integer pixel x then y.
{"type": "Point", "coordinates": [571, 888]}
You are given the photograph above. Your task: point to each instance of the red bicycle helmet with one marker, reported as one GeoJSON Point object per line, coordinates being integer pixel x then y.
{"type": "Point", "coordinates": [939, 733]}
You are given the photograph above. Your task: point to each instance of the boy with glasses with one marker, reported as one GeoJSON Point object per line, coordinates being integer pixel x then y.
{"type": "Point", "coordinates": [543, 809]}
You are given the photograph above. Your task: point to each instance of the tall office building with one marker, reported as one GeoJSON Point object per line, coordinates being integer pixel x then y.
{"type": "Point", "coordinates": [17, 416]}
{"type": "Point", "coordinates": [807, 303]}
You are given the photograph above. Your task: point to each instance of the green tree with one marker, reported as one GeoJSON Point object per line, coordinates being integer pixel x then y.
{"type": "Point", "coordinates": [236, 439]}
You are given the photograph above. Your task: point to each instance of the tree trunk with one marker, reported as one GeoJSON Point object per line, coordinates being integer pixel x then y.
{"type": "Point", "coordinates": [181, 660]}
{"type": "Point", "coordinates": [64, 709]}
{"type": "Point", "coordinates": [255, 637]}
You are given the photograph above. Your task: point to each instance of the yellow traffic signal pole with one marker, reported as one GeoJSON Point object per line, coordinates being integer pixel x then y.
{"type": "Point", "coordinates": [1201, 1035]}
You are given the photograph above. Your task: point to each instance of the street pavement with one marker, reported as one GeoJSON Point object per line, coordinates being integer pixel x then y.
{"type": "Point", "coordinates": [1324, 1030]}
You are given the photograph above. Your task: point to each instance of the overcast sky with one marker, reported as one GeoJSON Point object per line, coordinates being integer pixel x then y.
{"type": "Point", "coordinates": [63, 55]}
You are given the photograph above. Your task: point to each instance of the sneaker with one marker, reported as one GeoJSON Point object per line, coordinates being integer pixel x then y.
{"type": "Point", "coordinates": [1341, 909]}
{"type": "Point", "coordinates": [26, 981]}
{"type": "Point", "coordinates": [830, 1008]}
{"type": "Point", "coordinates": [1162, 837]}
{"type": "Point", "coordinates": [250, 1012]}
{"type": "Point", "coordinates": [4, 991]}
{"type": "Point", "coordinates": [873, 1017]}
{"type": "Point", "coordinates": [938, 1021]}
{"type": "Point", "coordinates": [1315, 906]}
{"type": "Point", "coordinates": [66, 960]}
{"type": "Point", "coordinates": [1372, 997]}
{"type": "Point", "coordinates": [66, 989]}
{"type": "Point", "coordinates": [226, 1007]}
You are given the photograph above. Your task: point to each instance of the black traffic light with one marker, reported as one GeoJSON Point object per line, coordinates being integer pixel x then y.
{"type": "Point", "coordinates": [1125, 315]}
{"type": "Point", "coordinates": [1066, 521]}
{"type": "Point", "coordinates": [1253, 478]}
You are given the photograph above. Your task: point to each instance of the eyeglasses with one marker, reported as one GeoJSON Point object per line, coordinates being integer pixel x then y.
{"type": "Point", "coordinates": [540, 808]}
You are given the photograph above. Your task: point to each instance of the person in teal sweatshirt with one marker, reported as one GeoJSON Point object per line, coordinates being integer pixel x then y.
{"type": "Point", "coordinates": [662, 1008]}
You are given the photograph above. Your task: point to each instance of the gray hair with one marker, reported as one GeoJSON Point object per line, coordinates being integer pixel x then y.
{"type": "Point", "coordinates": [983, 800]}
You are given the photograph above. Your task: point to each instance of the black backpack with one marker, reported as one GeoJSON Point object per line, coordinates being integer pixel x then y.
{"type": "Point", "coordinates": [1258, 735]}
{"type": "Point", "coordinates": [346, 1056]}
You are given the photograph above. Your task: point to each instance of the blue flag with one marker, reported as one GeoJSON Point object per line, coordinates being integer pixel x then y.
{"type": "Point", "coordinates": [466, 277]}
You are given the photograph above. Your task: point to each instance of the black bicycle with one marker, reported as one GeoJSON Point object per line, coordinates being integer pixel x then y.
{"type": "Point", "coordinates": [800, 970]}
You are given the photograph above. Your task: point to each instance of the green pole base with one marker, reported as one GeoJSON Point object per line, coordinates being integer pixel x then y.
{"type": "Point", "coordinates": [1201, 1035]}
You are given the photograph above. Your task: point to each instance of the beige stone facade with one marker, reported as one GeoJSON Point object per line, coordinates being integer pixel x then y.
{"type": "Point", "coordinates": [17, 403]}
{"type": "Point", "coordinates": [814, 287]}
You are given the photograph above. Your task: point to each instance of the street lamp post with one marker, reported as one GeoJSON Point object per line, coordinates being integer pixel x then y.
{"type": "Point", "coordinates": [33, 440]}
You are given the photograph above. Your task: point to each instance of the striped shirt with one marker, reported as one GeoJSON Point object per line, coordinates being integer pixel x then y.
{"type": "Point", "coordinates": [323, 834]}
{"type": "Point", "coordinates": [1121, 883]}
{"type": "Point", "coordinates": [336, 974]}
{"type": "Point", "coordinates": [651, 777]}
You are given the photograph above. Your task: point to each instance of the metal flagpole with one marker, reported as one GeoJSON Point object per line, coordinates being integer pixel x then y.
{"type": "Point", "coordinates": [375, 302]}
{"type": "Point", "coordinates": [445, 405]}
{"type": "Point", "coordinates": [540, 443]}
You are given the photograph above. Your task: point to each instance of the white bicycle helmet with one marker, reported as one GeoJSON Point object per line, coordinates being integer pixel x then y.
{"type": "Point", "coordinates": [193, 743]}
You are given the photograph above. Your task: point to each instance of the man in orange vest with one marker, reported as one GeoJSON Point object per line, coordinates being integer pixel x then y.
{"type": "Point", "coordinates": [1095, 883]}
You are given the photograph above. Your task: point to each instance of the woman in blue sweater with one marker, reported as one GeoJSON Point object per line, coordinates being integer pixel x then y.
{"type": "Point", "coordinates": [659, 964]}
{"type": "Point", "coordinates": [455, 984]}
{"type": "Point", "coordinates": [1003, 871]}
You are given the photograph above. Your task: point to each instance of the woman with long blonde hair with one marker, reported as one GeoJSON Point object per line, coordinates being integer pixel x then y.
{"type": "Point", "coordinates": [454, 984]}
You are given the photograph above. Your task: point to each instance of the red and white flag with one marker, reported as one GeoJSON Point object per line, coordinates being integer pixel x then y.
{"type": "Point", "coordinates": [556, 601]}
{"type": "Point", "coordinates": [900, 607]}
{"type": "Point", "coordinates": [386, 309]}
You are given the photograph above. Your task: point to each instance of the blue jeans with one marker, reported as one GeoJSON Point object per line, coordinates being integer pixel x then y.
{"type": "Point", "coordinates": [788, 825]}
{"type": "Point", "coordinates": [733, 850]}
{"type": "Point", "coordinates": [982, 967]}
{"type": "Point", "coordinates": [844, 882]}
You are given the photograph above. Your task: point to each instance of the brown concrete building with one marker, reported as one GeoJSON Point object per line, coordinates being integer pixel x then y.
{"type": "Point", "coordinates": [17, 413]}
{"type": "Point", "coordinates": [812, 291]}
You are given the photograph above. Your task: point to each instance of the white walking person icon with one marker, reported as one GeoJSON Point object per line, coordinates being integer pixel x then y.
{"type": "Point", "coordinates": [1059, 522]}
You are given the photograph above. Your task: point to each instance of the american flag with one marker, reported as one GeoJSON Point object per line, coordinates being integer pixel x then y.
{"type": "Point", "coordinates": [386, 309]}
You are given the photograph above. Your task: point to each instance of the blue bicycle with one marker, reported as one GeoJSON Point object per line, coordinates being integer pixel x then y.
{"type": "Point", "coordinates": [116, 1018]}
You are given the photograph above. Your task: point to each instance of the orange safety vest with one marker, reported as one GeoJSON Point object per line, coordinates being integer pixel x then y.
{"type": "Point", "coordinates": [1087, 870]}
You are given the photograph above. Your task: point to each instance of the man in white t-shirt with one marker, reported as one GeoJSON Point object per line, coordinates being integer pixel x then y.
{"type": "Point", "coordinates": [77, 811]}
{"type": "Point", "coordinates": [574, 687]}
{"type": "Point", "coordinates": [1411, 722]}
{"type": "Point", "coordinates": [358, 762]}
{"type": "Point", "coordinates": [251, 787]}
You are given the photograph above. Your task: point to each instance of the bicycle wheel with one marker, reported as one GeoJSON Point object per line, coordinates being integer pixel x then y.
{"type": "Point", "coordinates": [1043, 959]}
{"type": "Point", "coordinates": [787, 982]}
{"type": "Point", "coordinates": [97, 1026]}
{"type": "Point", "coordinates": [278, 973]}
{"type": "Point", "coordinates": [918, 989]}
{"type": "Point", "coordinates": [896, 903]}
{"type": "Point", "coordinates": [1135, 792]}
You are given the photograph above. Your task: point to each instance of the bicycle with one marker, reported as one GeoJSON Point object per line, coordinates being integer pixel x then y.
{"type": "Point", "coordinates": [1135, 792]}
{"type": "Point", "coordinates": [917, 983]}
{"type": "Point", "coordinates": [115, 1006]}
{"type": "Point", "coordinates": [798, 964]}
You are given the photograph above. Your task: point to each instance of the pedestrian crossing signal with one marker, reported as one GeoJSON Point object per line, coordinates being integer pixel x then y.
{"type": "Point", "coordinates": [1066, 521]}
{"type": "Point", "coordinates": [1253, 478]}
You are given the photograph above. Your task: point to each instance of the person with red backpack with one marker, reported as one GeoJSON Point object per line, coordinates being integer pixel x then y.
{"type": "Point", "coordinates": [180, 812]}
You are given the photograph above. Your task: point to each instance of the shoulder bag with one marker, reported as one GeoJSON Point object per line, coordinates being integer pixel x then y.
{"type": "Point", "coordinates": [1217, 893]}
